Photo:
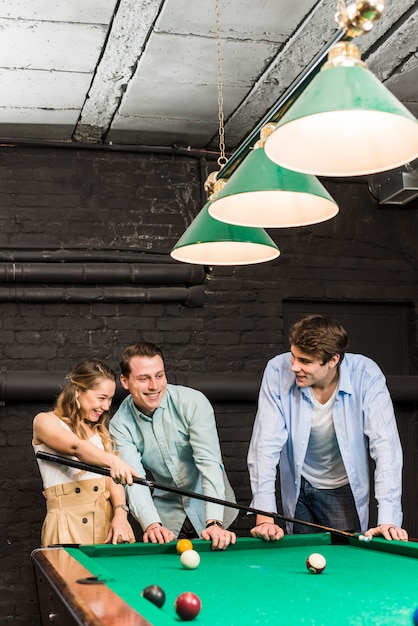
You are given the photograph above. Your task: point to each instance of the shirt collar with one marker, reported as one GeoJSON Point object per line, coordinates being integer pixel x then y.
{"type": "Point", "coordinates": [345, 385]}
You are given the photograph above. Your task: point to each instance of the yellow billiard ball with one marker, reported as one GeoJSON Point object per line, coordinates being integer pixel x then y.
{"type": "Point", "coordinates": [183, 545]}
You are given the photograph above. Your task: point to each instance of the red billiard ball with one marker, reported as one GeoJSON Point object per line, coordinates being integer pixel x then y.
{"type": "Point", "coordinates": [154, 594]}
{"type": "Point", "coordinates": [315, 563]}
{"type": "Point", "coordinates": [187, 605]}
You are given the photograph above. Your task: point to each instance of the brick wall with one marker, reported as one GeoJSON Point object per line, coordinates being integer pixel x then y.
{"type": "Point", "coordinates": [132, 203]}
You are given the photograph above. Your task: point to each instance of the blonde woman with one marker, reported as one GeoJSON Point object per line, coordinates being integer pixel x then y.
{"type": "Point", "coordinates": [83, 507]}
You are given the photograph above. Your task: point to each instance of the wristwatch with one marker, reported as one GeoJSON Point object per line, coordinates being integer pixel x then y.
{"type": "Point", "coordinates": [215, 522]}
{"type": "Point", "coordinates": [122, 506]}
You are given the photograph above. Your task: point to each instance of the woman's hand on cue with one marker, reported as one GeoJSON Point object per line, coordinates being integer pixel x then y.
{"type": "Point", "coordinates": [388, 531]}
{"type": "Point", "coordinates": [120, 471]}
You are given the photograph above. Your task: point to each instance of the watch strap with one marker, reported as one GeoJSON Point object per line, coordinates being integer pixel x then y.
{"type": "Point", "coordinates": [122, 506]}
{"type": "Point", "coordinates": [216, 522]}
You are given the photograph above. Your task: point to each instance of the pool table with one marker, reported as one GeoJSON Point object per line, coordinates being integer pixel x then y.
{"type": "Point", "coordinates": [253, 582]}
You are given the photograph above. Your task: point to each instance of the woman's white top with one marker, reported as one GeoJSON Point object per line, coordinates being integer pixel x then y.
{"type": "Point", "coordinates": [56, 474]}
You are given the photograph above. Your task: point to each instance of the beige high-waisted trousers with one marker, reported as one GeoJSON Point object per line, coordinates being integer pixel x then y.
{"type": "Point", "coordinates": [77, 512]}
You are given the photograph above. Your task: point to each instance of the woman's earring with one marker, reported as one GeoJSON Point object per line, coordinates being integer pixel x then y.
{"type": "Point", "coordinates": [77, 401]}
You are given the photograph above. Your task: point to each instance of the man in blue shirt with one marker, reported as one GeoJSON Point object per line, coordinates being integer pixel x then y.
{"type": "Point", "coordinates": [170, 430]}
{"type": "Point", "coordinates": [321, 412]}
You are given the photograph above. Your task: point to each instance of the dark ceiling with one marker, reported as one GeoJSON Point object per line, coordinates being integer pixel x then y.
{"type": "Point", "coordinates": [145, 72]}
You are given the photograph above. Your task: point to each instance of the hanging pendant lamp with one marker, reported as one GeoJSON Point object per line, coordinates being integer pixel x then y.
{"type": "Point", "coordinates": [261, 193]}
{"type": "Point", "coordinates": [209, 242]}
{"type": "Point", "coordinates": [345, 123]}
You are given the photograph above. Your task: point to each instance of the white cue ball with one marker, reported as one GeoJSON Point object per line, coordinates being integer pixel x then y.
{"type": "Point", "coordinates": [316, 563]}
{"type": "Point", "coordinates": [190, 559]}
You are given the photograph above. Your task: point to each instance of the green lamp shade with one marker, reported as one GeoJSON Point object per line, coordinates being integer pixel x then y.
{"type": "Point", "coordinates": [345, 123]}
{"type": "Point", "coordinates": [261, 193]}
{"type": "Point", "coordinates": [209, 242]}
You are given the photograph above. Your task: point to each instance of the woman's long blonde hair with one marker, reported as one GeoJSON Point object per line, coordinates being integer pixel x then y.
{"type": "Point", "coordinates": [87, 374]}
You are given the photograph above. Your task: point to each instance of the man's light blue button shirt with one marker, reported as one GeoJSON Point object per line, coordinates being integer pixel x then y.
{"type": "Point", "coordinates": [179, 444]}
{"type": "Point", "coordinates": [364, 423]}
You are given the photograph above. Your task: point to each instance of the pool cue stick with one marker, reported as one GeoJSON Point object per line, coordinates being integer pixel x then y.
{"type": "Point", "coordinates": [63, 460]}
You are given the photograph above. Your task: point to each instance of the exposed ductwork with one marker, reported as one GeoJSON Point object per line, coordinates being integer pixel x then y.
{"type": "Point", "coordinates": [118, 273]}
{"type": "Point", "coordinates": [78, 255]}
{"type": "Point", "coordinates": [109, 273]}
{"type": "Point", "coordinates": [31, 387]}
{"type": "Point", "coordinates": [189, 296]}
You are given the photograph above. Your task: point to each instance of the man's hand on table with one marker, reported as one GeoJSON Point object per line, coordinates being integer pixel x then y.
{"type": "Point", "coordinates": [388, 531]}
{"type": "Point", "coordinates": [220, 537]}
{"type": "Point", "coordinates": [157, 533]}
{"type": "Point", "coordinates": [266, 529]}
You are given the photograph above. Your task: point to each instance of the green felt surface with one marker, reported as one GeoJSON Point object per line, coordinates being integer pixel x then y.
{"type": "Point", "coordinates": [259, 583]}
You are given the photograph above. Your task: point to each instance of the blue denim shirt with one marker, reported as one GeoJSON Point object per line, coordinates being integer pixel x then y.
{"type": "Point", "coordinates": [179, 444]}
{"type": "Point", "coordinates": [364, 423]}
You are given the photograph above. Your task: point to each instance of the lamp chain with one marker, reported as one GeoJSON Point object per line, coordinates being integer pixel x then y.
{"type": "Point", "coordinates": [222, 158]}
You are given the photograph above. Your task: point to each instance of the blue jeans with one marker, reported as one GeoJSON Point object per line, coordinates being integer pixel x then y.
{"type": "Point", "coordinates": [334, 508]}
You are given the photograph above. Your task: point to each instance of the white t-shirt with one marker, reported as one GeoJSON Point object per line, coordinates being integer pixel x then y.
{"type": "Point", "coordinates": [323, 466]}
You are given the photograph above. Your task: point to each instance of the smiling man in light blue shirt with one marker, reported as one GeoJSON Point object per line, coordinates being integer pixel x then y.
{"type": "Point", "coordinates": [170, 430]}
{"type": "Point", "coordinates": [321, 413]}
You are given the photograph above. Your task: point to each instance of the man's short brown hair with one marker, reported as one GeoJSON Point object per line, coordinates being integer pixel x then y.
{"type": "Point", "coordinates": [319, 337]}
{"type": "Point", "coordinates": [139, 348]}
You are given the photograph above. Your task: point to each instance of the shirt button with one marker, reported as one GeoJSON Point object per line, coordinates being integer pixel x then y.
{"type": "Point", "coordinates": [77, 490]}
{"type": "Point", "coordinates": [84, 520]}
{"type": "Point", "coordinates": [95, 488]}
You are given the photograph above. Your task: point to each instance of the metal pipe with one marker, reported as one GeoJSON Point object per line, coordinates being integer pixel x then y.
{"type": "Point", "coordinates": [192, 297]}
{"type": "Point", "coordinates": [102, 273]}
{"type": "Point", "coordinates": [174, 150]}
{"type": "Point", "coordinates": [79, 255]}
{"type": "Point", "coordinates": [34, 387]}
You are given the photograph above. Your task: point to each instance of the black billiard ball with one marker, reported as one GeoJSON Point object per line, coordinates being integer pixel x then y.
{"type": "Point", "coordinates": [187, 605]}
{"type": "Point", "coordinates": [154, 594]}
